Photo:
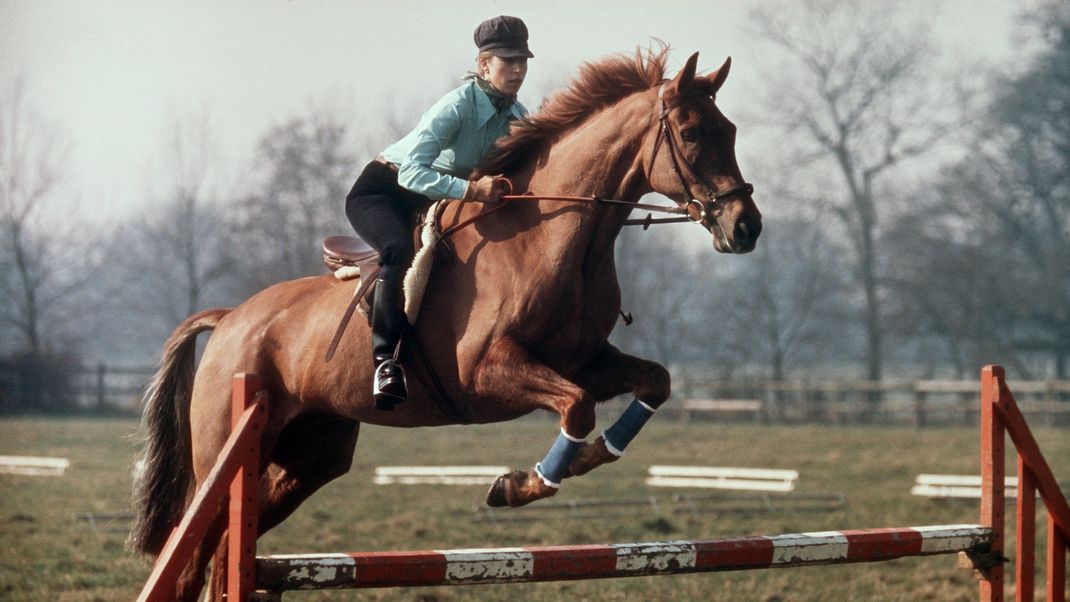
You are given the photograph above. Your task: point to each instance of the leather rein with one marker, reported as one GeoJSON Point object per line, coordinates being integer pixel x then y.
{"type": "Point", "coordinates": [694, 210]}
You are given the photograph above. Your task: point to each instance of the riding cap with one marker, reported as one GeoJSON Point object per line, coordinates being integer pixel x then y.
{"type": "Point", "coordinates": [503, 36]}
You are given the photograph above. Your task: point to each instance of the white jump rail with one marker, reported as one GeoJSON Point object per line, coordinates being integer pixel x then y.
{"type": "Point", "coordinates": [957, 486]}
{"type": "Point", "coordinates": [720, 477]}
{"type": "Point", "coordinates": [723, 405]}
{"type": "Point", "coordinates": [438, 475]}
{"type": "Point", "coordinates": [33, 465]}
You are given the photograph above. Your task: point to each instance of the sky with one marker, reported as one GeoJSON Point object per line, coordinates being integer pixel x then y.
{"type": "Point", "coordinates": [113, 76]}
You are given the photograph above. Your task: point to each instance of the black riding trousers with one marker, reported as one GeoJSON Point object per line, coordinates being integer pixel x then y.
{"type": "Point", "coordinates": [384, 214]}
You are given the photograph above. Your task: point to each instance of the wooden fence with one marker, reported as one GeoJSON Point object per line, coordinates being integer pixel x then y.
{"type": "Point", "coordinates": [918, 402]}
{"type": "Point", "coordinates": [112, 387]}
{"type": "Point", "coordinates": [50, 388]}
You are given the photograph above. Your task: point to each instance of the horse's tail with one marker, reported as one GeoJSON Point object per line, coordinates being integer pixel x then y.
{"type": "Point", "coordinates": [165, 482]}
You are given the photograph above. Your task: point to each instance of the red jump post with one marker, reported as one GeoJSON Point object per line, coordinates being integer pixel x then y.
{"type": "Point", "coordinates": [1000, 415]}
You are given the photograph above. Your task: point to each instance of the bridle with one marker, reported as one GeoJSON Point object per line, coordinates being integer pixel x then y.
{"type": "Point", "coordinates": [705, 212]}
{"type": "Point", "coordinates": [695, 211]}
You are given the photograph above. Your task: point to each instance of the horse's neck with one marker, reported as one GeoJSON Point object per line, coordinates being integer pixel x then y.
{"type": "Point", "coordinates": [600, 158]}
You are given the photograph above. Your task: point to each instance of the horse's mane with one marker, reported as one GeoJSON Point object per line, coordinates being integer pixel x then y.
{"type": "Point", "coordinates": [598, 85]}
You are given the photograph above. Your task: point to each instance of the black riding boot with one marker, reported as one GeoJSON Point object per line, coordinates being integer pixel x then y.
{"type": "Point", "coordinates": [388, 319]}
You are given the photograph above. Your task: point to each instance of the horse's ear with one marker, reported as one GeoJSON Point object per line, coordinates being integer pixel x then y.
{"type": "Point", "coordinates": [683, 79]}
{"type": "Point", "coordinates": [717, 77]}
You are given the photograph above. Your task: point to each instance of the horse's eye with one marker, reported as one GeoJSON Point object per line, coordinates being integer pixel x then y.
{"type": "Point", "coordinates": [689, 135]}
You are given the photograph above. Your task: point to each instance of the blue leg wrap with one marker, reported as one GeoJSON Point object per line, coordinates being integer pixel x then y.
{"type": "Point", "coordinates": [554, 466]}
{"type": "Point", "coordinates": [626, 427]}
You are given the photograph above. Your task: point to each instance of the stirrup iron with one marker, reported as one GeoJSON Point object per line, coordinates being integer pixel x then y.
{"type": "Point", "coordinates": [390, 386]}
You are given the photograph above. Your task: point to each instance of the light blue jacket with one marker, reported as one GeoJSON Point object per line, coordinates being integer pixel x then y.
{"type": "Point", "coordinates": [435, 158]}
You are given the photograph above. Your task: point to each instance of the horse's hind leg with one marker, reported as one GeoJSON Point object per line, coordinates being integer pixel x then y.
{"type": "Point", "coordinates": [311, 451]}
{"type": "Point", "coordinates": [510, 374]}
{"type": "Point", "coordinates": [610, 374]}
{"type": "Point", "coordinates": [191, 581]}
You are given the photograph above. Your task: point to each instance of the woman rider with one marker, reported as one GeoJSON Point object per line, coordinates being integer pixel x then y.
{"type": "Point", "coordinates": [433, 162]}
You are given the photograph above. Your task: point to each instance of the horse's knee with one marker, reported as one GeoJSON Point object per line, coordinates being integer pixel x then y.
{"type": "Point", "coordinates": [578, 420]}
{"type": "Point", "coordinates": [656, 387]}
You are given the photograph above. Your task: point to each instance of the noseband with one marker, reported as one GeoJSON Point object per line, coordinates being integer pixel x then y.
{"type": "Point", "coordinates": [705, 212]}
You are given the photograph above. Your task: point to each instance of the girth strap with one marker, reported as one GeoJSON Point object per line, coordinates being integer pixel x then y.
{"type": "Point", "coordinates": [422, 364]}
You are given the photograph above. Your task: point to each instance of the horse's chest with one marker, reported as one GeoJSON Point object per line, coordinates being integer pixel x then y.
{"type": "Point", "coordinates": [568, 321]}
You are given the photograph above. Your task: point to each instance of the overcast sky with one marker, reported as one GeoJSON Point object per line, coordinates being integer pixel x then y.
{"type": "Point", "coordinates": [113, 76]}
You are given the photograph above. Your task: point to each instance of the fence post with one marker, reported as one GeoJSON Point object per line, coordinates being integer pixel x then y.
{"type": "Point", "coordinates": [993, 473]}
{"type": "Point", "coordinates": [242, 527]}
{"type": "Point", "coordinates": [1025, 541]}
{"type": "Point", "coordinates": [1057, 545]}
{"type": "Point", "coordinates": [919, 404]}
{"type": "Point", "coordinates": [101, 397]}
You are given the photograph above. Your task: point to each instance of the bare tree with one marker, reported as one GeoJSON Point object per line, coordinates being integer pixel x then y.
{"type": "Point", "coordinates": [660, 284]}
{"type": "Point", "coordinates": [857, 93]}
{"type": "Point", "coordinates": [32, 252]}
{"type": "Point", "coordinates": [789, 299]}
{"type": "Point", "coordinates": [175, 255]}
{"type": "Point", "coordinates": [991, 245]}
{"type": "Point", "coordinates": [945, 288]}
{"type": "Point", "coordinates": [304, 169]}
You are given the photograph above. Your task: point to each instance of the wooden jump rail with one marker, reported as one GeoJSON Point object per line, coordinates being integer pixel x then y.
{"type": "Point", "coordinates": [983, 544]}
{"type": "Point", "coordinates": [582, 562]}
{"type": "Point", "coordinates": [33, 466]}
{"type": "Point", "coordinates": [723, 477]}
{"type": "Point", "coordinates": [437, 475]}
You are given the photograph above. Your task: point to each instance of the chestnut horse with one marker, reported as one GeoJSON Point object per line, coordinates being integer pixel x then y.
{"type": "Point", "coordinates": [517, 320]}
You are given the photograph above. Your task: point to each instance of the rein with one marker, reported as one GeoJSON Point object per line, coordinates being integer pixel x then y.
{"type": "Point", "coordinates": [645, 222]}
{"type": "Point", "coordinates": [694, 210]}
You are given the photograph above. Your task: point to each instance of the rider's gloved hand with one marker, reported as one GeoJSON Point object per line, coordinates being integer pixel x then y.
{"type": "Point", "coordinates": [488, 189]}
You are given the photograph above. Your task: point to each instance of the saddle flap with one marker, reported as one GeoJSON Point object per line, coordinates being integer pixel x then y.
{"type": "Point", "coordinates": [339, 251]}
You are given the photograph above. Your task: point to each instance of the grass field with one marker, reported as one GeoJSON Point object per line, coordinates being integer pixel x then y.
{"type": "Point", "coordinates": [49, 555]}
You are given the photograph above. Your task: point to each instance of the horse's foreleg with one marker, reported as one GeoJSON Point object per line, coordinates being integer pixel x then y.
{"type": "Point", "coordinates": [510, 374]}
{"type": "Point", "coordinates": [613, 373]}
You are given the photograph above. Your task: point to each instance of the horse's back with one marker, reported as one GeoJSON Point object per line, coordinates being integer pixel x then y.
{"type": "Point", "coordinates": [280, 333]}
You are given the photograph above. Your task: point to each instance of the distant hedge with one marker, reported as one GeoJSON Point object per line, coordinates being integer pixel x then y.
{"type": "Point", "coordinates": [37, 383]}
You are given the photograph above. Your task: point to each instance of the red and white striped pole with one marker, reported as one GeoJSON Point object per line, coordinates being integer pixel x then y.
{"type": "Point", "coordinates": [581, 562]}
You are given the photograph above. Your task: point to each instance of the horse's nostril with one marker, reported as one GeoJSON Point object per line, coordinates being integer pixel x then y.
{"type": "Point", "coordinates": [742, 233]}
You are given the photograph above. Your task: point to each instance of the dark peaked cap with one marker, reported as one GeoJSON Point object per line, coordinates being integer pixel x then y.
{"type": "Point", "coordinates": [503, 36]}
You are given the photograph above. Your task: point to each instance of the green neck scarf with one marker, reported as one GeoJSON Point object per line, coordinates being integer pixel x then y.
{"type": "Point", "coordinates": [500, 101]}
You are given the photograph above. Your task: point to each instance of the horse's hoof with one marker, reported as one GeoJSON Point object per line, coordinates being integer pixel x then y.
{"type": "Point", "coordinates": [591, 456]}
{"type": "Point", "coordinates": [518, 488]}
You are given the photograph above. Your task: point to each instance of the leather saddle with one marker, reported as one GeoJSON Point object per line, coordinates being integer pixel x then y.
{"type": "Point", "coordinates": [351, 257]}
{"type": "Point", "coordinates": [353, 254]}
{"type": "Point", "coordinates": [347, 251]}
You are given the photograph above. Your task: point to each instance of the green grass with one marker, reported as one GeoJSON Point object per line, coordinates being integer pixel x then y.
{"type": "Point", "coordinates": [48, 555]}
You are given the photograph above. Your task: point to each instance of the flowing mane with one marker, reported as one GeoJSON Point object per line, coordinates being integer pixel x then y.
{"type": "Point", "coordinates": [598, 84]}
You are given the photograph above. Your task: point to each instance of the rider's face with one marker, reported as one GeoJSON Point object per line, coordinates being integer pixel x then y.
{"type": "Point", "coordinates": [507, 74]}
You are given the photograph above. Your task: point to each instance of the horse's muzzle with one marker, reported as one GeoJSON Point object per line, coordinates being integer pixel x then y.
{"type": "Point", "coordinates": [738, 236]}
{"type": "Point", "coordinates": [746, 233]}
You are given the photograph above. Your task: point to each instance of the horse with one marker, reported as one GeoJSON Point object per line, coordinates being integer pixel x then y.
{"type": "Point", "coordinates": [516, 319]}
